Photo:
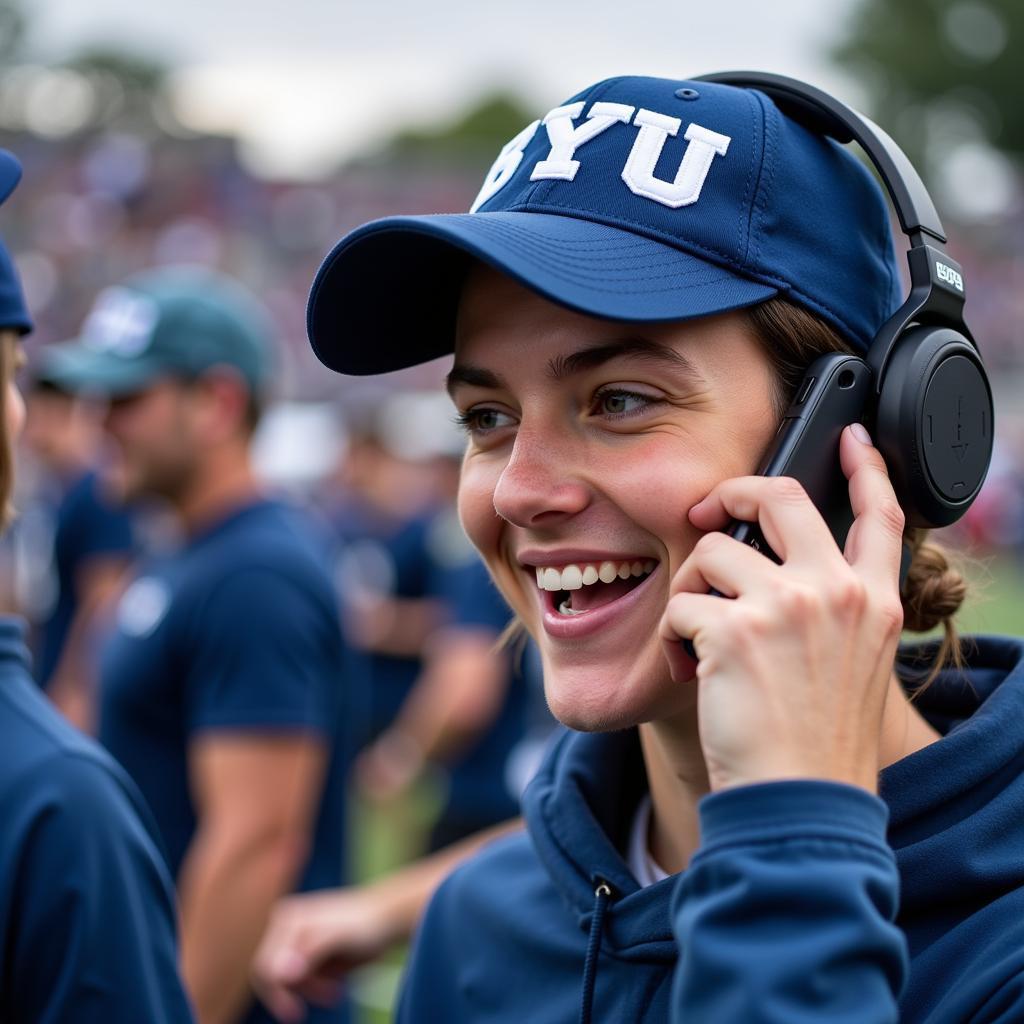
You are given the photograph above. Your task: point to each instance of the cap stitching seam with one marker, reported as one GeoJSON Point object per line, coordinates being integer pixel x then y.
{"type": "Point", "coordinates": [766, 177]}
{"type": "Point", "coordinates": [672, 241]}
{"type": "Point", "coordinates": [745, 222]}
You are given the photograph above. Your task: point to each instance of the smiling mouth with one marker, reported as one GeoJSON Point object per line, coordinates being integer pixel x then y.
{"type": "Point", "coordinates": [580, 588]}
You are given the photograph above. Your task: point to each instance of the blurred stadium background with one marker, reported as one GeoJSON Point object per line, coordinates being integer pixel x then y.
{"type": "Point", "coordinates": [216, 134]}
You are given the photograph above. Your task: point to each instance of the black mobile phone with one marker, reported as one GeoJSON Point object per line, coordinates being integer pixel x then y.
{"type": "Point", "coordinates": [832, 394]}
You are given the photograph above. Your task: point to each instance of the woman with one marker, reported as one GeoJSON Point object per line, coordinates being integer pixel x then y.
{"type": "Point", "coordinates": [791, 828]}
{"type": "Point", "coordinates": [86, 905]}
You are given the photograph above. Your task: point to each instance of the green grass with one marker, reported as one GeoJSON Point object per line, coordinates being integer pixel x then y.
{"type": "Point", "coordinates": [384, 838]}
{"type": "Point", "coordinates": [995, 601]}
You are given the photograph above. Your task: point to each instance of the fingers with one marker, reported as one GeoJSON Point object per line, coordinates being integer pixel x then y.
{"type": "Point", "coordinates": [721, 563]}
{"type": "Point", "coordinates": [791, 524]}
{"type": "Point", "coordinates": [875, 543]}
{"type": "Point", "coordinates": [686, 615]}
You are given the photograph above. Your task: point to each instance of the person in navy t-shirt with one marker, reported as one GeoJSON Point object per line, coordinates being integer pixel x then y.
{"type": "Point", "coordinates": [87, 917]}
{"type": "Point", "coordinates": [76, 539]}
{"type": "Point", "coordinates": [223, 685]}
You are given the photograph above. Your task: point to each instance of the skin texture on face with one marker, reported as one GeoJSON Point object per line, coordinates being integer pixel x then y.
{"type": "Point", "coordinates": [156, 440]}
{"type": "Point", "coordinates": [590, 440]}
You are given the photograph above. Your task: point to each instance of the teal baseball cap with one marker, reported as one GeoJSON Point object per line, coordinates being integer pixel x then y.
{"type": "Point", "coordinates": [170, 322]}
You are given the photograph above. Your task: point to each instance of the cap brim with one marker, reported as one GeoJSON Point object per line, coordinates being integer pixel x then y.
{"type": "Point", "coordinates": [10, 174]}
{"type": "Point", "coordinates": [386, 296]}
{"type": "Point", "coordinates": [75, 368]}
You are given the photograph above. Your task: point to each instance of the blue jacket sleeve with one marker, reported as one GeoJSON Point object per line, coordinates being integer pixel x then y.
{"type": "Point", "coordinates": [786, 913]}
{"type": "Point", "coordinates": [95, 935]}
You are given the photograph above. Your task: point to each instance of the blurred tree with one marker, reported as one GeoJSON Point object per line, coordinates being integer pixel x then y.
{"type": "Point", "coordinates": [941, 72]}
{"type": "Point", "coordinates": [126, 86]}
{"type": "Point", "coordinates": [12, 29]}
{"type": "Point", "coordinates": [473, 139]}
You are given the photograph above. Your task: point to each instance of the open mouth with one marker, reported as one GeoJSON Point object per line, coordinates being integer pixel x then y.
{"type": "Point", "coordinates": [582, 587]}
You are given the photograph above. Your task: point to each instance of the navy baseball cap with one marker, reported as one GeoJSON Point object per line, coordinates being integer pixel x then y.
{"type": "Point", "coordinates": [174, 321]}
{"type": "Point", "coordinates": [639, 199]}
{"type": "Point", "coordinates": [13, 312]}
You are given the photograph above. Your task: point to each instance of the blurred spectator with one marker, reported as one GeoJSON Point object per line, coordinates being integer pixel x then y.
{"type": "Point", "coordinates": [222, 687]}
{"type": "Point", "coordinates": [380, 506]}
{"type": "Point", "coordinates": [83, 539]}
{"type": "Point", "coordinates": [86, 905]}
{"type": "Point", "coordinates": [466, 713]}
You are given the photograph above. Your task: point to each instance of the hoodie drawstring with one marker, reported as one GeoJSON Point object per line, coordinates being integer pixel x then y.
{"type": "Point", "coordinates": [602, 894]}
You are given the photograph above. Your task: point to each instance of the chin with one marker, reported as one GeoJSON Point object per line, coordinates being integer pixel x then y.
{"type": "Point", "coordinates": [614, 697]}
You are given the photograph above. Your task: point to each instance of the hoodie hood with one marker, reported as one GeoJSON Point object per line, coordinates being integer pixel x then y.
{"type": "Point", "coordinates": [955, 806]}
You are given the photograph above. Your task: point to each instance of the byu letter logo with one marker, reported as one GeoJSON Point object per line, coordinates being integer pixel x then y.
{"type": "Point", "coordinates": [565, 138]}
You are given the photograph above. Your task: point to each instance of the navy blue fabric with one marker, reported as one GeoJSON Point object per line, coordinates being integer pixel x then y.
{"type": "Point", "coordinates": [781, 211]}
{"type": "Point", "coordinates": [87, 933]}
{"type": "Point", "coordinates": [807, 901]}
{"type": "Point", "coordinates": [10, 173]}
{"type": "Point", "coordinates": [87, 525]}
{"type": "Point", "coordinates": [478, 786]}
{"type": "Point", "coordinates": [13, 312]}
{"type": "Point", "coordinates": [238, 631]}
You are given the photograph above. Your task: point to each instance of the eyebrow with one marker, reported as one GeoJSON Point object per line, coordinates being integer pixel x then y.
{"type": "Point", "coordinates": [563, 366]}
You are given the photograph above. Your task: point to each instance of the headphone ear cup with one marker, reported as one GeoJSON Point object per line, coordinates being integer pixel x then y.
{"type": "Point", "coordinates": [933, 424]}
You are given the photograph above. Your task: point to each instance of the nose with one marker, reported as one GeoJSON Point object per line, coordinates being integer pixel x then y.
{"type": "Point", "coordinates": [539, 485]}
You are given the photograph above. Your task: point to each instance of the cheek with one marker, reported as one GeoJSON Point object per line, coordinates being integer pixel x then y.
{"type": "Point", "coordinates": [15, 411]}
{"type": "Point", "coordinates": [476, 507]}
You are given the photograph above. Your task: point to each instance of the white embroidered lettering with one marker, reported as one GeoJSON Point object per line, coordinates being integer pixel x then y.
{"type": "Point", "coordinates": [565, 139]}
{"type": "Point", "coordinates": [505, 166]}
{"type": "Point", "coordinates": [638, 174]}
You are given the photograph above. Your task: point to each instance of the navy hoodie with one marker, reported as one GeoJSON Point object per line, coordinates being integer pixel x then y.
{"type": "Point", "coordinates": [806, 902]}
{"type": "Point", "coordinates": [87, 929]}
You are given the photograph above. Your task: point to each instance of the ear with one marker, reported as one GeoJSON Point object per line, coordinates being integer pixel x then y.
{"type": "Point", "coordinates": [222, 398]}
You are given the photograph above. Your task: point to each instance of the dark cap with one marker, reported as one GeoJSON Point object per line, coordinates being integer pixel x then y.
{"type": "Point", "coordinates": [178, 321]}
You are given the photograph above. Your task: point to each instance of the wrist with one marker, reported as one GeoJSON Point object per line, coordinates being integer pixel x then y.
{"type": "Point", "coordinates": [402, 750]}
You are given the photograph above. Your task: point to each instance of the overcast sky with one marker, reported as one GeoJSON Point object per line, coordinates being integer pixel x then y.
{"type": "Point", "coordinates": [304, 81]}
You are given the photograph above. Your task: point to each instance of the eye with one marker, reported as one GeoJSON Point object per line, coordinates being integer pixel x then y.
{"type": "Point", "coordinates": [482, 420]}
{"type": "Point", "coordinates": [618, 402]}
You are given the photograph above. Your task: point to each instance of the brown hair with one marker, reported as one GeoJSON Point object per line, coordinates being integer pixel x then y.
{"type": "Point", "coordinates": [8, 364]}
{"type": "Point", "coordinates": [934, 588]}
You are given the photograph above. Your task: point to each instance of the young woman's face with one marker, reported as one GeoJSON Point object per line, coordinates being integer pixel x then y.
{"type": "Point", "coordinates": [589, 442]}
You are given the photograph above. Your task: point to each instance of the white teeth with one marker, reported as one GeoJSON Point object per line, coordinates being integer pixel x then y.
{"type": "Point", "coordinates": [552, 580]}
{"type": "Point", "coordinates": [575, 577]}
{"type": "Point", "coordinates": [564, 609]}
{"type": "Point", "coordinates": [572, 578]}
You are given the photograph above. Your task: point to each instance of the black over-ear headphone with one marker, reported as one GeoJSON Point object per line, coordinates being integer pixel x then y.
{"type": "Point", "coordinates": [931, 416]}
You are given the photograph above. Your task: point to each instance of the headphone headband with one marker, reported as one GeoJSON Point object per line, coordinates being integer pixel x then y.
{"type": "Point", "coordinates": [826, 115]}
{"type": "Point", "coordinates": [936, 280]}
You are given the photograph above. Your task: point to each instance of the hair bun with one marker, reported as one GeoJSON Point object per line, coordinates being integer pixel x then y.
{"type": "Point", "coordinates": [934, 589]}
